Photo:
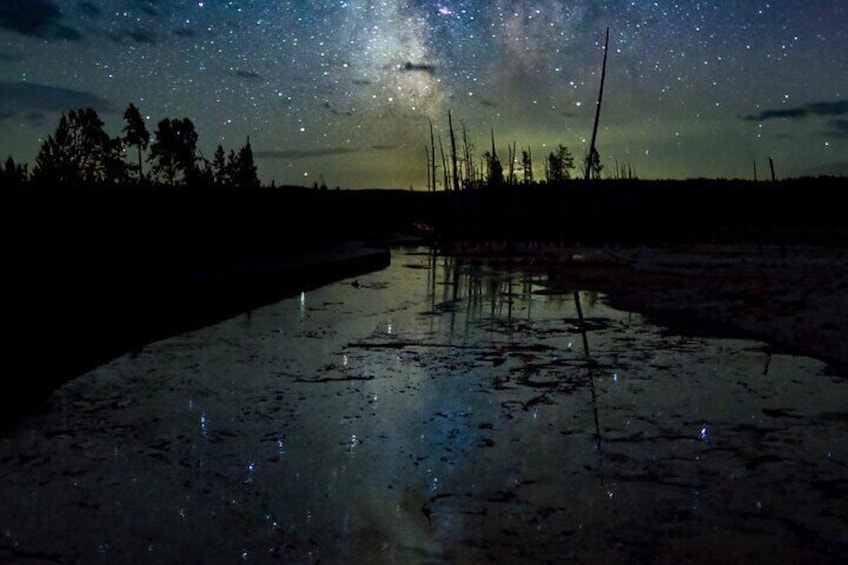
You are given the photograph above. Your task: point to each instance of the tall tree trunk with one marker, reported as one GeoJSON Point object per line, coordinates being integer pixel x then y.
{"type": "Point", "coordinates": [433, 156]}
{"type": "Point", "coordinates": [453, 152]}
{"type": "Point", "coordinates": [444, 164]}
{"type": "Point", "coordinates": [512, 149]}
{"type": "Point", "coordinates": [427, 158]}
{"type": "Point", "coordinates": [469, 165]}
{"type": "Point", "coordinates": [592, 150]}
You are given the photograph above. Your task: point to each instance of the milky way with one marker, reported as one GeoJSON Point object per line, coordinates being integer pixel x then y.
{"type": "Point", "coordinates": [344, 90]}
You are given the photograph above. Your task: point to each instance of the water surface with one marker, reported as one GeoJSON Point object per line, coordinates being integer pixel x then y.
{"type": "Point", "coordinates": [437, 411]}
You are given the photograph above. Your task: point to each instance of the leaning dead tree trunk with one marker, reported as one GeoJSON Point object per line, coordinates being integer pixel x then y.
{"type": "Point", "coordinates": [592, 158]}
{"type": "Point", "coordinates": [432, 156]}
{"type": "Point", "coordinates": [453, 153]}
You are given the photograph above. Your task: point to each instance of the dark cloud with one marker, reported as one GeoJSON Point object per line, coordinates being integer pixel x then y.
{"type": "Point", "coordinates": [489, 103]}
{"type": "Point", "coordinates": [409, 66]}
{"type": "Point", "coordinates": [141, 36]}
{"type": "Point", "coordinates": [33, 100]}
{"type": "Point", "coordinates": [35, 18]}
{"type": "Point", "coordinates": [335, 111]}
{"type": "Point", "coordinates": [384, 147]}
{"type": "Point", "coordinates": [361, 82]}
{"type": "Point", "coordinates": [302, 153]}
{"type": "Point", "coordinates": [836, 108]}
{"type": "Point", "coordinates": [132, 36]}
{"type": "Point", "coordinates": [773, 114]}
{"type": "Point", "coordinates": [247, 74]}
{"type": "Point", "coordinates": [185, 32]}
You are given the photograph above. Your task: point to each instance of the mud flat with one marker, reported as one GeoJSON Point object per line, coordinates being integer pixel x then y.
{"type": "Point", "coordinates": [794, 297]}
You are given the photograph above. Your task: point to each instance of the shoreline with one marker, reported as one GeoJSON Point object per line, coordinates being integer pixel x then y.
{"type": "Point", "coordinates": [61, 334]}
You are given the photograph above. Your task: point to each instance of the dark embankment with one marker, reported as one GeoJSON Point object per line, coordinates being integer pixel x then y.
{"type": "Point", "coordinates": [92, 274]}
{"type": "Point", "coordinates": [652, 212]}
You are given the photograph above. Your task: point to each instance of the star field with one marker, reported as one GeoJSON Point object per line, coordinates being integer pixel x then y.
{"type": "Point", "coordinates": [343, 90]}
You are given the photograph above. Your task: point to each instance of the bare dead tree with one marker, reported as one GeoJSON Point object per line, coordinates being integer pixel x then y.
{"type": "Point", "coordinates": [444, 164]}
{"type": "Point", "coordinates": [511, 149]}
{"type": "Point", "coordinates": [453, 152]}
{"type": "Point", "coordinates": [427, 156]}
{"type": "Point", "coordinates": [593, 165]}
{"type": "Point", "coordinates": [469, 163]}
{"type": "Point", "coordinates": [432, 156]}
{"type": "Point", "coordinates": [495, 168]}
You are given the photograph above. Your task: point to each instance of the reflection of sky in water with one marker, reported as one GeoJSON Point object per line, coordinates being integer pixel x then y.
{"type": "Point", "coordinates": [435, 411]}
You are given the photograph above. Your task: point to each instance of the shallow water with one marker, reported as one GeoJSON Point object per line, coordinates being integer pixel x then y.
{"type": "Point", "coordinates": [435, 412]}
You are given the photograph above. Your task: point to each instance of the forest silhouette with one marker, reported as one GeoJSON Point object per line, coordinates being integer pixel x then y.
{"type": "Point", "coordinates": [81, 154]}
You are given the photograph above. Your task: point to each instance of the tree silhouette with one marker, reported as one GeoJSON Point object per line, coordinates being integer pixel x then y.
{"type": "Point", "coordinates": [527, 165]}
{"type": "Point", "coordinates": [237, 169]}
{"type": "Point", "coordinates": [244, 168]}
{"type": "Point", "coordinates": [136, 134]}
{"type": "Point", "coordinates": [494, 166]}
{"type": "Point", "coordinates": [174, 151]}
{"type": "Point", "coordinates": [593, 167]}
{"type": "Point", "coordinates": [79, 152]}
{"type": "Point", "coordinates": [560, 164]}
{"type": "Point", "coordinates": [13, 174]}
{"type": "Point", "coordinates": [494, 169]}
{"type": "Point", "coordinates": [220, 170]}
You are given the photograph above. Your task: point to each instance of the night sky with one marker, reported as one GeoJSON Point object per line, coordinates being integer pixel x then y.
{"type": "Point", "coordinates": [344, 89]}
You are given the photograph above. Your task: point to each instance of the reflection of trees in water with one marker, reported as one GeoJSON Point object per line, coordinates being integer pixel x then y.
{"type": "Point", "coordinates": [494, 294]}
{"type": "Point", "coordinates": [481, 292]}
